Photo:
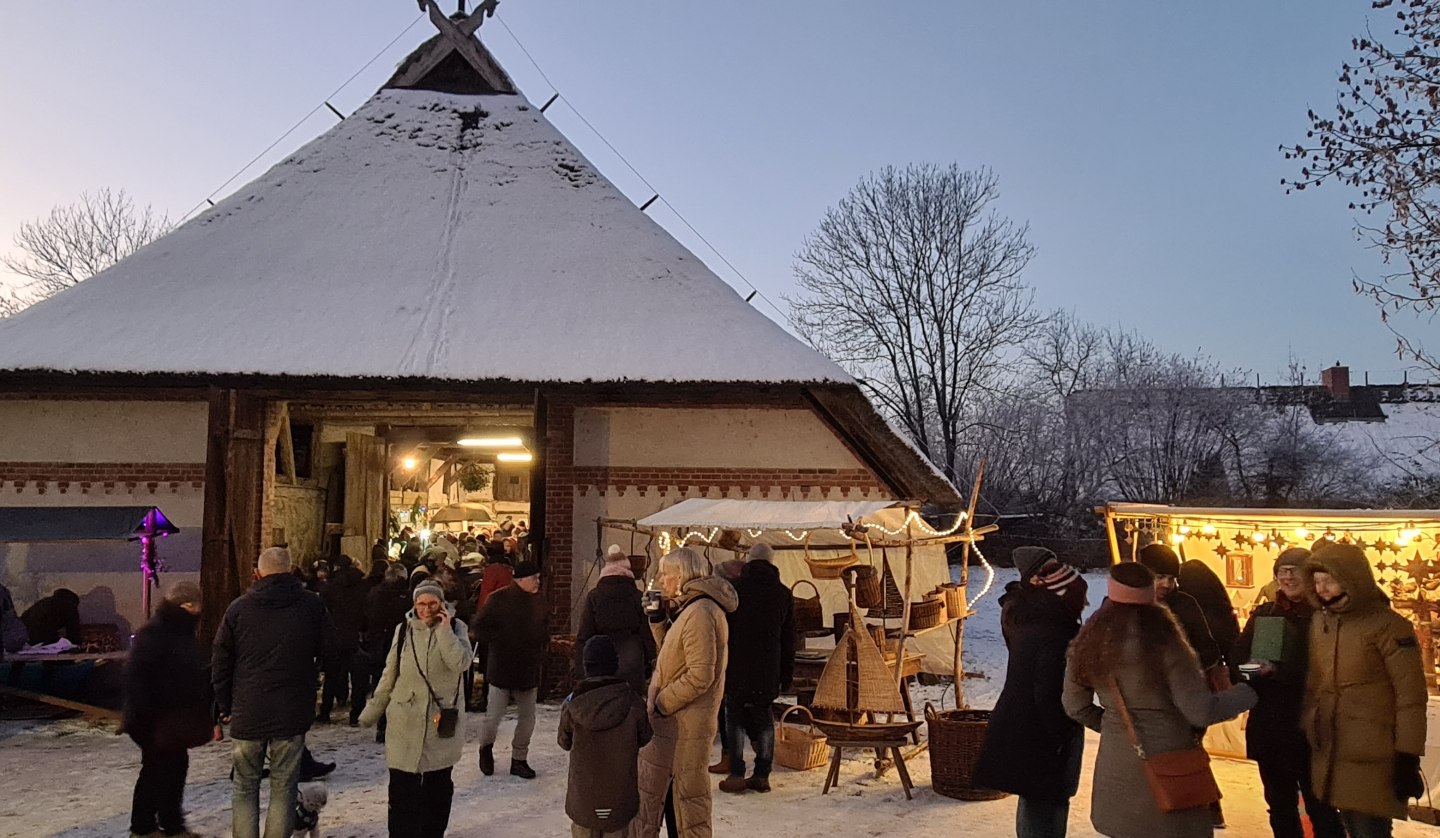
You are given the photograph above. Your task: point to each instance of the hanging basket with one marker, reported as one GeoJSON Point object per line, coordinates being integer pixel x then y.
{"type": "Point", "coordinates": [956, 737]}
{"type": "Point", "coordinates": [639, 564]}
{"type": "Point", "coordinates": [927, 613]}
{"type": "Point", "coordinates": [809, 615]}
{"type": "Point", "coordinates": [892, 604]}
{"type": "Point", "coordinates": [829, 568]}
{"type": "Point", "coordinates": [866, 582]}
{"type": "Point", "coordinates": [800, 748]}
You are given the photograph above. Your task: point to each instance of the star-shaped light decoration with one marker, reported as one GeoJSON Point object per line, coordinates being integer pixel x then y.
{"type": "Point", "coordinates": [1241, 539]}
{"type": "Point", "coordinates": [1222, 551]}
{"type": "Point", "coordinates": [1420, 569]}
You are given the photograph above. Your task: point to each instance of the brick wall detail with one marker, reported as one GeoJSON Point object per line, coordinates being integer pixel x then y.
{"type": "Point", "coordinates": [82, 478]}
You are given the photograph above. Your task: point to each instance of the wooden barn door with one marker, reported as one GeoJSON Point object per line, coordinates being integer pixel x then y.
{"type": "Point", "coordinates": [365, 477]}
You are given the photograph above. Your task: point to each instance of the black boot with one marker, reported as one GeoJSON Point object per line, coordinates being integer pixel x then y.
{"type": "Point", "coordinates": [520, 768]}
{"type": "Point", "coordinates": [487, 760]}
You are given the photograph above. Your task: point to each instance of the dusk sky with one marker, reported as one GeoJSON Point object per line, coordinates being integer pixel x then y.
{"type": "Point", "coordinates": [1138, 139]}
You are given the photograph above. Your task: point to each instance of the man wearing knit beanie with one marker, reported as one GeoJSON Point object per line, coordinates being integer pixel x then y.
{"type": "Point", "coordinates": [1163, 562]}
{"type": "Point", "coordinates": [1274, 737]}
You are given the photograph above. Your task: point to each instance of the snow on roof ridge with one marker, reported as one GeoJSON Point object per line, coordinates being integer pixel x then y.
{"type": "Point", "coordinates": [429, 235]}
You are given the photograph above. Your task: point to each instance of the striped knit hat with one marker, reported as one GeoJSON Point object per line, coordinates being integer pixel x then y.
{"type": "Point", "coordinates": [1054, 575]}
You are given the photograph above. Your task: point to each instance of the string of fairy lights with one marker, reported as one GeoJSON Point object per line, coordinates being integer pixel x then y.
{"type": "Point", "coordinates": [1251, 535]}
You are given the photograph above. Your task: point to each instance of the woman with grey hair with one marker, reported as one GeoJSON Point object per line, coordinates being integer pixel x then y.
{"type": "Point", "coordinates": [685, 694]}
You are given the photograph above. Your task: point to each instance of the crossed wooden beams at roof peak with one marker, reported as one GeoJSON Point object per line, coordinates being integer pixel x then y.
{"type": "Point", "coordinates": [459, 36]}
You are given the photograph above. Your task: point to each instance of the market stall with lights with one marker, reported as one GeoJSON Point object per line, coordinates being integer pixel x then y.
{"type": "Point", "coordinates": [1241, 546]}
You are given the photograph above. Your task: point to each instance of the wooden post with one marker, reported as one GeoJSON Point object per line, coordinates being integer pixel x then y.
{"type": "Point", "coordinates": [234, 464]}
{"type": "Point", "coordinates": [1110, 534]}
{"type": "Point", "coordinates": [905, 612]}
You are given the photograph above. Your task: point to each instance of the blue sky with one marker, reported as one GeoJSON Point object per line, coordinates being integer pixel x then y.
{"type": "Point", "coordinates": [1138, 139]}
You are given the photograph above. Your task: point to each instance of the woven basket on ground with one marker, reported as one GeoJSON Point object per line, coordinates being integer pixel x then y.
{"type": "Point", "coordinates": [809, 616]}
{"type": "Point", "coordinates": [800, 748]}
{"type": "Point", "coordinates": [956, 737]}
{"type": "Point", "coordinates": [866, 582]}
{"type": "Point", "coordinates": [927, 613]}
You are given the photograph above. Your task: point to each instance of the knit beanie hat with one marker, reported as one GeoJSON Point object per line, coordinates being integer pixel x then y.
{"type": "Point", "coordinates": [615, 555]}
{"type": "Point", "coordinates": [1065, 582]}
{"type": "Point", "coordinates": [428, 587]}
{"type": "Point", "coordinates": [525, 568]}
{"type": "Point", "coordinates": [760, 553]}
{"type": "Point", "coordinates": [599, 657]}
{"type": "Point", "coordinates": [1131, 583]}
{"type": "Point", "coordinates": [1029, 560]}
{"type": "Point", "coordinates": [1294, 557]}
{"type": "Point", "coordinates": [1161, 560]}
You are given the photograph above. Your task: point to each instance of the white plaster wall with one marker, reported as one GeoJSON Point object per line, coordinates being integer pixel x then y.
{"type": "Point", "coordinates": [103, 431]}
{"type": "Point", "coordinates": [707, 438]}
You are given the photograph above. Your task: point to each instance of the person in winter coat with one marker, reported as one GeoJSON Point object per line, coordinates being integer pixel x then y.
{"type": "Point", "coordinates": [1200, 582]}
{"type": "Point", "coordinates": [429, 653]}
{"type": "Point", "coordinates": [344, 599]}
{"type": "Point", "coordinates": [168, 710]}
{"type": "Point", "coordinates": [263, 669]}
{"type": "Point", "coordinates": [603, 724]}
{"type": "Point", "coordinates": [48, 618]}
{"type": "Point", "coordinates": [1273, 736]}
{"type": "Point", "coordinates": [761, 663]}
{"type": "Point", "coordinates": [385, 609]}
{"type": "Point", "coordinates": [499, 572]}
{"type": "Point", "coordinates": [684, 695]}
{"type": "Point", "coordinates": [1165, 565]}
{"type": "Point", "coordinates": [1133, 649]}
{"type": "Point", "coordinates": [13, 632]}
{"type": "Point", "coordinates": [1364, 696]}
{"type": "Point", "coordinates": [379, 556]}
{"type": "Point", "coordinates": [1032, 748]}
{"type": "Point", "coordinates": [613, 609]}
{"type": "Point", "coordinates": [514, 624]}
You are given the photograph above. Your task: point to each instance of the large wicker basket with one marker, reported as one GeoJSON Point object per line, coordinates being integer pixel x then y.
{"type": "Point", "coordinates": [956, 737]}
{"type": "Point", "coordinates": [954, 596]}
{"type": "Point", "coordinates": [866, 582]}
{"type": "Point", "coordinates": [809, 614]}
{"type": "Point", "coordinates": [829, 568]}
{"type": "Point", "coordinates": [800, 748]}
{"type": "Point", "coordinates": [927, 613]}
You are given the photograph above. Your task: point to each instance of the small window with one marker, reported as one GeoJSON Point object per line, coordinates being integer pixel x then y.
{"type": "Point", "coordinates": [1239, 570]}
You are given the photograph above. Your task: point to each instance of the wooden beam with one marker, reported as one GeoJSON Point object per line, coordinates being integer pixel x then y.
{"type": "Point", "coordinates": [87, 709]}
{"type": "Point", "coordinates": [287, 444]}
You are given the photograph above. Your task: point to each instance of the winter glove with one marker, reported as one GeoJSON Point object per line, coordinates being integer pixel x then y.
{"type": "Point", "coordinates": [1406, 781]}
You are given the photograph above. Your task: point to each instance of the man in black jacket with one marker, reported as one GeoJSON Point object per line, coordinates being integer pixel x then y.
{"type": "Point", "coordinates": [513, 626]}
{"type": "Point", "coordinates": [1163, 562]}
{"type": "Point", "coordinates": [344, 599]}
{"type": "Point", "coordinates": [48, 618]}
{"type": "Point", "coordinates": [762, 660]}
{"type": "Point", "coordinates": [264, 669]}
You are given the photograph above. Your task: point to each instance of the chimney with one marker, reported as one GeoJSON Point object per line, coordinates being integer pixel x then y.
{"type": "Point", "coordinates": [1336, 382]}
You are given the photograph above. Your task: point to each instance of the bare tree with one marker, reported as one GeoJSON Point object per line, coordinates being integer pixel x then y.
{"type": "Point", "coordinates": [78, 240]}
{"type": "Point", "coordinates": [1382, 140]}
{"type": "Point", "coordinates": [913, 282]}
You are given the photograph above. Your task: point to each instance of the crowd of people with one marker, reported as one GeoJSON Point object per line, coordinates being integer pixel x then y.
{"type": "Point", "coordinates": [655, 681]}
{"type": "Point", "coordinates": [1337, 698]}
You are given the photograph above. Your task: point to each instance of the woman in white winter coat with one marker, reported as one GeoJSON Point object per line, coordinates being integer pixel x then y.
{"type": "Point", "coordinates": [420, 696]}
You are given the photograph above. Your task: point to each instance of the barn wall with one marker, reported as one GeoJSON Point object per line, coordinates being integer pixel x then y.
{"type": "Point", "coordinates": [769, 438]}
{"type": "Point", "coordinates": [102, 453]}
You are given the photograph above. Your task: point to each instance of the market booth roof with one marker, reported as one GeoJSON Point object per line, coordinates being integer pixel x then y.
{"type": "Point", "coordinates": [82, 523]}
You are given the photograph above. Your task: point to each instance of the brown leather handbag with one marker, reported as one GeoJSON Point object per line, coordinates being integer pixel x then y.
{"type": "Point", "coordinates": [1178, 779]}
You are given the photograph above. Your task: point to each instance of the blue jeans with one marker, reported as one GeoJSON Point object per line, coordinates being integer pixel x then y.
{"type": "Point", "coordinates": [1365, 826]}
{"type": "Point", "coordinates": [249, 760]}
{"type": "Point", "coordinates": [1035, 818]}
{"type": "Point", "coordinates": [755, 722]}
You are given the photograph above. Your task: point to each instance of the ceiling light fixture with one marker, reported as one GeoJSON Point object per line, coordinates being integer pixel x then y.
{"type": "Point", "coordinates": [490, 441]}
{"type": "Point", "coordinates": [514, 457]}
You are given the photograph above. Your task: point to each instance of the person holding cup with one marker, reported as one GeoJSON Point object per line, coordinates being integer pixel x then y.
{"type": "Point", "coordinates": [1273, 736]}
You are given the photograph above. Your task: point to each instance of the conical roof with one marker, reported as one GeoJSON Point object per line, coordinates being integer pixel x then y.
{"type": "Point", "coordinates": [432, 234]}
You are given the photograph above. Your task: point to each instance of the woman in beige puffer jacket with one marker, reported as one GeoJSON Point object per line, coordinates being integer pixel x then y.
{"type": "Point", "coordinates": [685, 695]}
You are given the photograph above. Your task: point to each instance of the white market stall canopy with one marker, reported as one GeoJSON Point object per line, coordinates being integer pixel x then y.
{"type": "Point", "coordinates": [763, 514]}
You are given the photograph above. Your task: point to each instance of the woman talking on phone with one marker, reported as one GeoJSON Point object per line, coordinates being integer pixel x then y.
{"type": "Point", "coordinates": [419, 694]}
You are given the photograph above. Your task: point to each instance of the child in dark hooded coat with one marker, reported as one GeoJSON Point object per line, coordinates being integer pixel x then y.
{"type": "Point", "coordinates": [603, 725]}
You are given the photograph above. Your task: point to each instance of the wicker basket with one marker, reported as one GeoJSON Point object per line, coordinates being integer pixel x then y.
{"type": "Point", "coordinates": [956, 737]}
{"type": "Point", "coordinates": [639, 564]}
{"type": "Point", "coordinates": [927, 613]}
{"type": "Point", "coordinates": [829, 568]}
{"type": "Point", "coordinates": [809, 615]}
{"type": "Point", "coordinates": [800, 748]}
{"type": "Point", "coordinates": [954, 596]}
{"type": "Point", "coordinates": [866, 582]}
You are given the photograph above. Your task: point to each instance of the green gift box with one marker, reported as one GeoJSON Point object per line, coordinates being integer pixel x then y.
{"type": "Point", "coordinates": [1274, 640]}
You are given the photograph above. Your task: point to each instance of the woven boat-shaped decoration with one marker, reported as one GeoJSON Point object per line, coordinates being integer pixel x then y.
{"type": "Point", "coordinates": [856, 678]}
{"type": "Point", "coordinates": [892, 604]}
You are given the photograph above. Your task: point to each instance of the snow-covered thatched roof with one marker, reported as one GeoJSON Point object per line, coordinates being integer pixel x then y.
{"type": "Point", "coordinates": [429, 235]}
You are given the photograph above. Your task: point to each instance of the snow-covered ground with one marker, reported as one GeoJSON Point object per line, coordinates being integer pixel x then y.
{"type": "Point", "coordinates": [74, 779]}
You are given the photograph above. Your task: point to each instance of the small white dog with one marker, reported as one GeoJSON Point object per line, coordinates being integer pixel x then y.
{"type": "Point", "coordinates": [310, 798]}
